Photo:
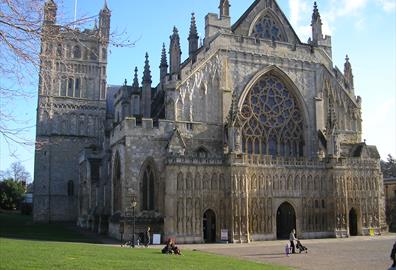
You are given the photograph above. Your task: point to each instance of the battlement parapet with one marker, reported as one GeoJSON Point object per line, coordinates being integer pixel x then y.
{"type": "Point", "coordinates": [130, 127]}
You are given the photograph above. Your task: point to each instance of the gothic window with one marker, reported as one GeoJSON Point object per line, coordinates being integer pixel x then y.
{"type": "Point", "coordinates": [117, 200]}
{"type": "Point", "coordinates": [272, 122]}
{"type": "Point", "coordinates": [70, 188]}
{"type": "Point", "coordinates": [148, 189]}
{"type": "Point", "coordinates": [59, 50]}
{"type": "Point", "coordinates": [77, 52]}
{"type": "Point", "coordinates": [63, 86]}
{"type": "Point", "coordinates": [268, 28]}
{"type": "Point", "coordinates": [103, 90]}
{"type": "Point", "coordinates": [77, 88]}
{"type": "Point", "coordinates": [70, 87]}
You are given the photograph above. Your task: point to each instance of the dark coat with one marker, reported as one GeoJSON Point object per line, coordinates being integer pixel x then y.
{"type": "Point", "coordinates": [393, 253]}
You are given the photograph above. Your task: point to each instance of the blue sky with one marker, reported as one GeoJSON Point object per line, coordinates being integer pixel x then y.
{"type": "Point", "coordinates": [363, 29]}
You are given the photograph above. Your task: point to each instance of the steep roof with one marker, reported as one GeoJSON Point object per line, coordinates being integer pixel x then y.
{"type": "Point", "coordinates": [364, 150]}
{"type": "Point", "coordinates": [255, 10]}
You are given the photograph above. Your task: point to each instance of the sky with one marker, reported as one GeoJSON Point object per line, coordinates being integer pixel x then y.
{"type": "Point", "coordinates": [363, 29]}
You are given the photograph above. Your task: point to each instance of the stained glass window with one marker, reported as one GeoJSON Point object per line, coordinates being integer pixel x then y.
{"type": "Point", "coordinates": [267, 28]}
{"type": "Point", "coordinates": [272, 122]}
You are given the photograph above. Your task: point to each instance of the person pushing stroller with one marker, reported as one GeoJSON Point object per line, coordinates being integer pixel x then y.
{"type": "Point", "coordinates": [300, 247]}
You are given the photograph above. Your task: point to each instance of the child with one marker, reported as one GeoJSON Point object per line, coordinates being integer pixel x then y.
{"type": "Point", "coordinates": [287, 249]}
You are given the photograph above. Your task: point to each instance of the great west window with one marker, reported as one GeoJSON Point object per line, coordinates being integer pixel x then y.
{"type": "Point", "coordinates": [272, 122]}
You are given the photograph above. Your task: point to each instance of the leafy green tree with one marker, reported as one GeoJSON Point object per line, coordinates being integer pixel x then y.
{"type": "Point", "coordinates": [389, 167]}
{"type": "Point", "coordinates": [11, 194]}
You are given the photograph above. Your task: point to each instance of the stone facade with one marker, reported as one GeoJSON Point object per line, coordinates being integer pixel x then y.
{"type": "Point", "coordinates": [254, 134]}
{"type": "Point", "coordinates": [71, 111]}
{"type": "Point", "coordinates": [390, 202]}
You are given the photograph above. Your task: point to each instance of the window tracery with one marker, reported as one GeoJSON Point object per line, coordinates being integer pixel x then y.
{"type": "Point", "coordinates": [148, 189]}
{"type": "Point", "coordinates": [117, 200]}
{"type": "Point", "coordinates": [268, 28]}
{"type": "Point", "coordinates": [272, 122]}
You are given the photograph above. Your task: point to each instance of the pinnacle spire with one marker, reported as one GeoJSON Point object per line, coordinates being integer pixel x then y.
{"type": "Point", "coordinates": [50, 2]}
{"type": "Point", "coordinates": [147, 72]}
{"type": "Point", "coordinates": [316, 15]}
{"type": "Point", "coordinates": [193, 39]}
{"type": "Point", "coordinates": [316, 25]}
{"type": "Point", "coordinates": [175, 31]}
{"type": "Point", "coordinates": [105, 6]}
{"type": "Point", "coordinates": [348, 75]}
{"type": "Point", "coordinates": [224, 8]}
{"type": "Point", "coordinates": [164, 62]}
{"type": "Point", "coordinates": [135, 84]}
{"type": "Point", "coordinates": [174, 52]}
{"type": "Point", "coordinates": [193, 27]}
{"type": "Point", "coordinates": [50, 9]}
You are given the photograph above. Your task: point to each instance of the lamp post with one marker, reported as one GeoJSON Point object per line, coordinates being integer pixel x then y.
{"type": "Point", "coordinates": [133, 205]}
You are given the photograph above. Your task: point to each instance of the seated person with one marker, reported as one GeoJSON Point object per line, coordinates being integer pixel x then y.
{"type": "Point", "coordinates": [168, 247]}
{"type": "Point", "coordinates": [175, 249]}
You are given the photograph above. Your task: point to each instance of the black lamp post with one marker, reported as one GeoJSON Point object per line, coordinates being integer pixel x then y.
{"type": "Point", "coordinates": [133, 205]}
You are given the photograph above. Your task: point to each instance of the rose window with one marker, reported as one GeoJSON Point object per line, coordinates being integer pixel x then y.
{"type": "Point", "coordinates": [267, 28]}
{"type": "Point", "coordinates": [272, 122]}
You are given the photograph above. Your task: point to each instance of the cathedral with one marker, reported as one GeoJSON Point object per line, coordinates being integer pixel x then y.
{"type": "Point", "coordinates": [253, 134]}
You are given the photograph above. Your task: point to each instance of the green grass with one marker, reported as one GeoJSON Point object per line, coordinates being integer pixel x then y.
{"type": "Point", "coordinates": [50, 247]}
{"type": "Point", "coordinates": [22, 227]}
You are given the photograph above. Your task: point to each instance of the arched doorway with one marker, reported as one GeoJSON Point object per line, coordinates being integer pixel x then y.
{"type": "Point", "coordinates": [285, 220]}
{"type": "Point", "coordinates": [209, 226]}
{"type": "Point", "coordinates": [353, 228]}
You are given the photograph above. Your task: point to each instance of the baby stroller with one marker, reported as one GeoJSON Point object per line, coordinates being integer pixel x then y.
{"type": "Point", "coordinates": [300, 247]}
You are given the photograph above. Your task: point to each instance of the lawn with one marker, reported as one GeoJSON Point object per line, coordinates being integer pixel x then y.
{"type": "Point", "coordinates": [52, 247]}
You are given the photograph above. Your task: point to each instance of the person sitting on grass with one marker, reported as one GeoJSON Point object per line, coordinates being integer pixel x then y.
{"type": "Point", "coordinates": [175, 249]}
{"type": "Point", "coordinates": [168, 247]}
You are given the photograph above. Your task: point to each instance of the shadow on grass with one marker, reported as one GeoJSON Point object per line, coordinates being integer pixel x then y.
{"type": "Point", "coordinates": [17, 226]}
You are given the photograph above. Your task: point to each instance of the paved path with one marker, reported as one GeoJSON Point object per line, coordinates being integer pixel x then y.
{"type": "Point", "coordinates": [360, 253]}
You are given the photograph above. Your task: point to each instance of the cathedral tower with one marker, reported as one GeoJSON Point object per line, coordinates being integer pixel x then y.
{"type": "Point", "coordinates": [70, 112]}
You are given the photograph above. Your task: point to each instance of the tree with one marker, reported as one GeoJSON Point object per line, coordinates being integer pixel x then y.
{"type": "Point", "coordinates": [388, 167]}
{"type": "Point", "coordinates": [21, 27]}
{"type": "Point", "coordinates": [11, 194]}
{"type": "Point", "coordinates": [17, 172]}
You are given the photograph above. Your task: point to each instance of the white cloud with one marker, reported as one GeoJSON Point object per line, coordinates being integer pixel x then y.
{"type": "Point", "coordinates": [300, 9]}
{"type": "Point", "coordinates": [342, 8]}
{"type": "Point", "coordinates": [331, 11]}
{"type": "Point", "coordinates": [387, 5]}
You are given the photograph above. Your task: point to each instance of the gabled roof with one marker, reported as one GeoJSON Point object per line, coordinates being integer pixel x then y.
{"type": "Point", "coordinates": [365, 151]}
{"type": "Point", "coordinates": [251, 14]}
{"type": "Point", "coordinates": [176, 140]}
